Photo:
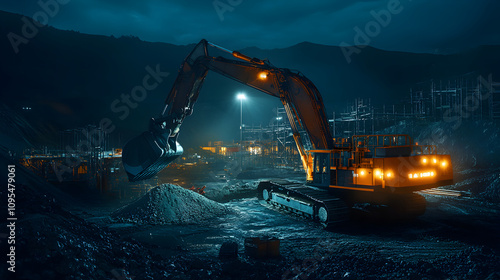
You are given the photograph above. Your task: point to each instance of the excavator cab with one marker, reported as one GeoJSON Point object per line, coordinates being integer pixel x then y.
{"type": "Point", "coordinates": [321, 173]}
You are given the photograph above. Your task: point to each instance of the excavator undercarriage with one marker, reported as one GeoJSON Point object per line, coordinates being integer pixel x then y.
{"type": "Point", "coordinates": [330, 207]}
{"type": "Point", "coordinates": [311, 202]}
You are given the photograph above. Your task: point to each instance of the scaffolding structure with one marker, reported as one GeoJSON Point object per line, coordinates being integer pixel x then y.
{"type": "Point", "coordinates": [469, 97]}
{"type": "Point", "coordinates": [274, 142]}
{"type": "Point", "coordinates": [83, 159]}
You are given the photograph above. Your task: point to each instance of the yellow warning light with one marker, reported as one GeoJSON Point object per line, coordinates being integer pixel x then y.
{"type": "Point", "coordinates": [377, 173]}
{"type": "Point", "coordinates": [389, 174]}
{"type": "Point", "coordinates": [424, 160]}
{"type": "Point", "coordinates": [435, 161]}
{"type": "Point", "coordinates": [444, 163]}
{"type": "Point", "coordinates": [362, 173]}
{"type": "Point", "coordinates": [422, 175]}
{"type": "Point", "coordinates": [262, 75]}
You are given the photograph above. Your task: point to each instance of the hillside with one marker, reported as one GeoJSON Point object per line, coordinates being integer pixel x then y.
{"type": "Point", "coordinates": [71, 79]}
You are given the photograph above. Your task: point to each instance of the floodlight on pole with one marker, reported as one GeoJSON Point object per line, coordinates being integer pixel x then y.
{"type": "Point", "coordinates": [241, 97]}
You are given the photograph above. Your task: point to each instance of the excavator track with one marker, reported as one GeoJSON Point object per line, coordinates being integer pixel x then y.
{"type": "Point", "coordinates": [315, 203]}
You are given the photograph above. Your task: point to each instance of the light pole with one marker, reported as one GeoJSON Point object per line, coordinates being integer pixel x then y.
{"type": "Point", "coordinates": [241, 97]}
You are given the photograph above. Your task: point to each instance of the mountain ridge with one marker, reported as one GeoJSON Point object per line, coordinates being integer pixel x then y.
{"type": "Point", "coordinates": [71, 79]}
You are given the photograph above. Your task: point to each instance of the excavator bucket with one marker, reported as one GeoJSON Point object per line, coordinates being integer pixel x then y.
{"type": "Point", "coordinates": [147, 154]}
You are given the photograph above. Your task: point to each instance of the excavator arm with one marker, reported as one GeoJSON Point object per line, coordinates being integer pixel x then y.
{"type": "Point", "coordinates": [146, 155]}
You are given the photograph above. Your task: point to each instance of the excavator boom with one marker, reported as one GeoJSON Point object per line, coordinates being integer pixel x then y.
{"type": "Point", "coordinates": [146, 155]}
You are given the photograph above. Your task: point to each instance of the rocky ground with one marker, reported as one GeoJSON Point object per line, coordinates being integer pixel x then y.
{"type": "Point", "coordinates": [174, 233]}
{"type": "Point", "coordinates": [455, 239]}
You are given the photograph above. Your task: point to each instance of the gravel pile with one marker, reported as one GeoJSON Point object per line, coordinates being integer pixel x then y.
{"type": "Point", "coordinates": [169, 204]}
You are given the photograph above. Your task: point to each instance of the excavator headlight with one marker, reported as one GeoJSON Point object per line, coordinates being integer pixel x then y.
{"type": "Point", "coordinates": [262, 75]}
{"type": "Point", "coordinates": [444, 163]}
{"type": "Point", "coordinates": [424, 160]}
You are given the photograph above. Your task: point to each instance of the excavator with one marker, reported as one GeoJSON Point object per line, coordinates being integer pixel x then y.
{"type": "Point", "coordinates": [373, 174]}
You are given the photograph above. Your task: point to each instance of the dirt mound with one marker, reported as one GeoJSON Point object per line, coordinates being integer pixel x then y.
{"type": "Point", "coordinates": [170, 204]}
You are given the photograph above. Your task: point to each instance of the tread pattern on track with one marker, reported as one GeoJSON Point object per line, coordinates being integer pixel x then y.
{"type": "Point", "coordinates": [337, 210]}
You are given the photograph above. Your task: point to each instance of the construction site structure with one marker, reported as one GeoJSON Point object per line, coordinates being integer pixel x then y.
{"type": "Point", "coordinates": [84, 161]}
{"type": "Point", "coordinates": [468, 97]}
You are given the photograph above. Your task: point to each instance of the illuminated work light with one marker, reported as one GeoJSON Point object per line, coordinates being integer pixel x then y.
{"type": "Point", "coordinates": [421, 175]}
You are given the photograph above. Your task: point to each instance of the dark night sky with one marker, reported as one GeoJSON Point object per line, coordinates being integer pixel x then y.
{"type": "Point", "coordinates": [420, 26]}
